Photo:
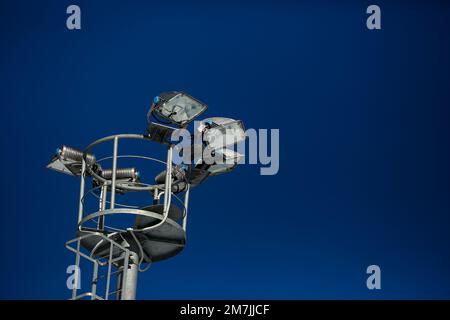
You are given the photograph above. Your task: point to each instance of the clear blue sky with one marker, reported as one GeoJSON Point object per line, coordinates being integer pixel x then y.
{"type": "Point", "coordinates": [364, 161]}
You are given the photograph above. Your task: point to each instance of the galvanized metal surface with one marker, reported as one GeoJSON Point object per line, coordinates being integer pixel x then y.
{"type": "Point", "coordinates": [155, 235]}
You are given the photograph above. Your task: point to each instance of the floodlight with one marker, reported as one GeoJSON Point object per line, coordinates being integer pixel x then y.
{"type": "Point", "coordinates": [196, 175]}
{"type": "Point", "coordinates": [68, 160]}
{"type": "Point", "coordinates": [182, 175]}
{"type": "Point", "coordinates": [176, 108]}
{"type": "Point", "coordinates": [221, 132]}
{"type": "Point", "coordinates": [160, 133]}
{"type": "Point", "coordinates": [160, 222]}
{"type": "Point", "coordinates": [178, 173]}
{"type": "Point", "coordinates": [124, 176]}
{"type": "Point", "coordinates": [129, 174]}
{"type": "Point", "coordinates": [227, 161]}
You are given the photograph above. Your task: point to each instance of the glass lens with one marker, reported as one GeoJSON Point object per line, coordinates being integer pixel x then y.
{"type": "Point", "coordinates": [225, 135]}
{"type": "Point", "coordinates": [181, 109]}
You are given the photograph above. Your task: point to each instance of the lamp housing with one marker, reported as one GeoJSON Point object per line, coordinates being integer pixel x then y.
{"type": "Point", "coordinates": [176, 108]}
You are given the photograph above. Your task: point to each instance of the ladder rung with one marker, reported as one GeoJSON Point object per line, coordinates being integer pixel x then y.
{"type": "Point", "coordinates": [115, 291]}
{"type": "Point", "coordinates": [112, 273]}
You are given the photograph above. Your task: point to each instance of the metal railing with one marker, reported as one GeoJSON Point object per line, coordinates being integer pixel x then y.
{"type": "Point", "coordinates": [103, 233]}
{"type": "Point", "coordinates": [121, 262]}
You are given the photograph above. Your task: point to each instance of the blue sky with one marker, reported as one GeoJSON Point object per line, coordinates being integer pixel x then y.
{"type": "Point", "coordinates": [364, 136]}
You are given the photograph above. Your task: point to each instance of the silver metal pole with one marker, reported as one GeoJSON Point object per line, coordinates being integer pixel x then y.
{"type": "Point", "coordinates": [186, 205]}
{"type": "Point", "coordinates": [94, 281]}
{"type": "Point", "coordinates": [129, 281]}
{"type": "Point", "coordinates": [108, 276]}
{"type": "Point", "coordinates": [80, 217]}
{"type": "Point", "coordinates": [83, 174]}
{"type": "Point", "coordinates": [103, 195]}
{"type": "Point", "coordinates": [168, 182]}
{"type": "Point", "coordinates": [76, 283]}
{"type": "Point", "coordinates": [114, 169]}
{"type": "Point", "coordinates": [119, 284]}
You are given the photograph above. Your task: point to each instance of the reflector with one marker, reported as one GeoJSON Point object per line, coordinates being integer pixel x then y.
{"type": "Point", "coordinates": [177, 108]}
{"type": "Point", "coordinates": [68, 160]}
{"type": "Point", "coordinates": [221, 132]}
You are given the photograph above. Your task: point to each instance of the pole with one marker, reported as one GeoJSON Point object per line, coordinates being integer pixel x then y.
{"type": "Point", "coordinates": [113, 178]}
{"type": "Point", "coordinates": [186, 204]}
{"type": "Point", "coordinates": [80, 217]}
{"type": "Point", "coordinates": [103, 195]}
{"type": "Point", "coordinates": [119, 285]}
{"type": "Point", "coordinates": [129, 281]}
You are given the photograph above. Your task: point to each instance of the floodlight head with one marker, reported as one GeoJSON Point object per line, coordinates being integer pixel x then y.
{"type": "Point", "coordinates": [219, 132]}
{"type": "Point", "coordinates": [68, 160]}
{"type": "Point", "coordinates": [227, 160]}
{"type": "Point", "coordinates": [160, 133]}
{"type": "Point", "coordinates": [177, 108]}
{"type": "Point", "coordinates": [183, 174]}
{"type": "Point", "coordinates": [125, 174]}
